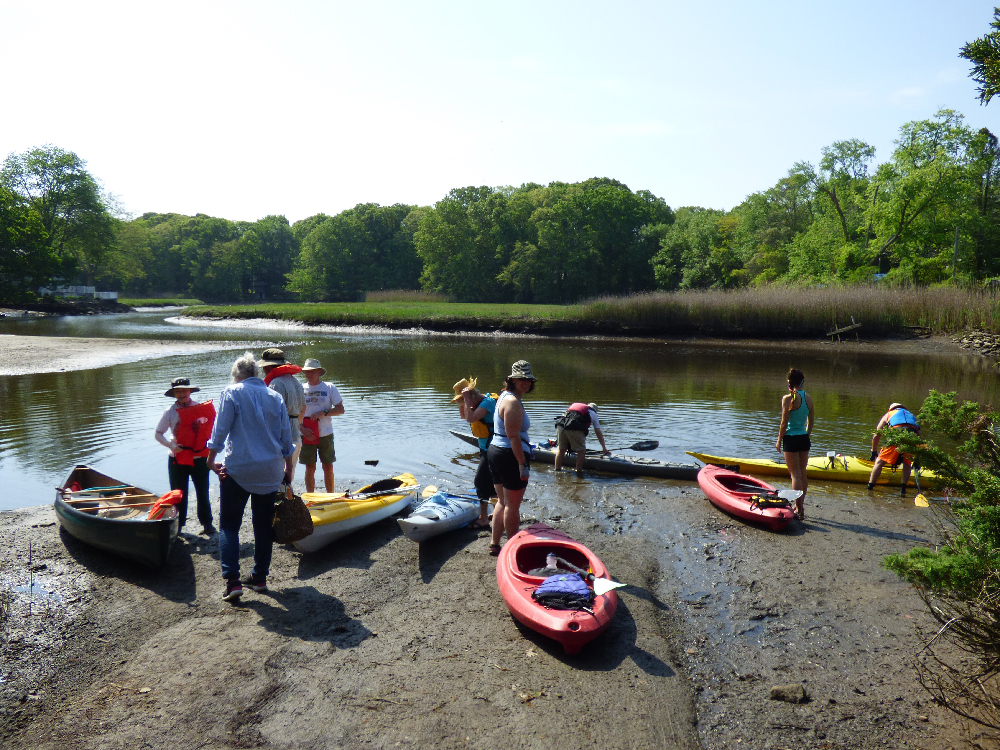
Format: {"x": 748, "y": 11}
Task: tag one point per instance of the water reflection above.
{"x": 397, "y": 389}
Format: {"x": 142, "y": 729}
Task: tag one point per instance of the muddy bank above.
{"x": 22, "y": 355}
{"x": 379, "y": 642}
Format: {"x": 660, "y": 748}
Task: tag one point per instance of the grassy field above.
{"x": 771, "y": 312}
{"x": 160, "y": 302}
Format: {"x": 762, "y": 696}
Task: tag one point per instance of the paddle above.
{"x": 98, "y": 499}
{"x": 347, "y": 497}
{"x": 116, "y": 507}
{"x": 97, "y": 489}
{"x": 642, "y": 445}
{"x": 920, "y": 501}
{"x": 789, "y": 495}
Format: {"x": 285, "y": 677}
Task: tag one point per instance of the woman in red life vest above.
{"x": 190, "y": 424}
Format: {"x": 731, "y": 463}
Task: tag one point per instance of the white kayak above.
{"x": 438, "y": 513}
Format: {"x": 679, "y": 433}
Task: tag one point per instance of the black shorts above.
{"x": 795, "y": 444}
{"x": 505, "y": 469}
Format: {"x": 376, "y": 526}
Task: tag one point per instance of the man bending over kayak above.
{"x": 899, "y": 418}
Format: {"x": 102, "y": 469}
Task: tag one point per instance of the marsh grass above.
{"x": 769, "y": 312}
{"x": 405, "y": 295}
{"x": 789, "y": 312}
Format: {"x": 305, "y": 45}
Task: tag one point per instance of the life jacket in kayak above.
{"x": 577, "y": 418}
{"x": 277, "y": 372}
{"x": 311, "y": 424}
{"x": 483, "y": 428}
{"x": 564, "y": 591}
{"x": 903, "y": 419}
{"x": 193, "y": 431}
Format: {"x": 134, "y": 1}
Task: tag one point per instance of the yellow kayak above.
{"x": 337, "y": 514}
{"x": 835, "y": 468}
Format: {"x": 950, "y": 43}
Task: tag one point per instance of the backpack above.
{"x": 573, "y": 420}
{"x": 564, "y": 591}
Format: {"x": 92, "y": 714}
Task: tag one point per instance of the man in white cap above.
{"x": 900, "y": 418}
{"x": 571, "y": 433}
{"x": 279, "y": 376}
{"x": 322, "y": 402}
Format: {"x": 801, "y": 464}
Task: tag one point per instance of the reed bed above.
{"x": 778, "y": 311}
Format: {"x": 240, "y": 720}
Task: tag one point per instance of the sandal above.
{"x": 494, "y": 550}
{"x": 478, "y": 525}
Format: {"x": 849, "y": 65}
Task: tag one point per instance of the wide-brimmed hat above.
{"x": 592, "y": 405}
{"x": 461, "y": 385}
{"x": 273, "y": 357}
{"x": 181, "y": 383}
{"x": 522, "y": 370}
{"x": 895, "y": 405}
{"x": 313, "y": 364}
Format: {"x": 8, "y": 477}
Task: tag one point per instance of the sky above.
{"x": 246, "y": 109}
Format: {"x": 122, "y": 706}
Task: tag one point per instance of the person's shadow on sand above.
{"x": 308, "y": 614}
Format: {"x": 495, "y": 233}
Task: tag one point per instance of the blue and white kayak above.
{"x": 438, "y": 513}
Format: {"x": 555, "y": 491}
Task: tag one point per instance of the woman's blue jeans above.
{"x": 232, "y": 502}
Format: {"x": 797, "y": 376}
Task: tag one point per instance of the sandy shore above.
{"x": 22, "y": 355}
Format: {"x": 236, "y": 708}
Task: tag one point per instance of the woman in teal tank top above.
{"x": 794, "y": 435}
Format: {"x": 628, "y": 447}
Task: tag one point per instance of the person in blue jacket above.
{"x": 899, "y": 418}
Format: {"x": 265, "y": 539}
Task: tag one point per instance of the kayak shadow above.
{"x": 609, "y": 650}
{"x": 436, "y": 551}
{"x": 308, "y": 614}
{"x": 174, "y": 581}
{"x": 352, "y": 551}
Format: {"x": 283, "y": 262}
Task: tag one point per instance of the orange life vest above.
{"x": 193, "y": 432}
{"x": 280, "y": 370}
{"x": 174, "y": 497}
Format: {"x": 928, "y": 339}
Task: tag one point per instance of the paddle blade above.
{"x": 920, "y": 501}
{"x": 603, "y": 585}
{"x": 429, "y": 490}
{"x": 789, "y": 495}
{"x": 646, "y": 445}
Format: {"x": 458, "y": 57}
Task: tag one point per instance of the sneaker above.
{"x": 257, "y": 584}
{"x": 902, "y": 491}
{"x": 233, "y": 590}
{"x": 871, "y": 486}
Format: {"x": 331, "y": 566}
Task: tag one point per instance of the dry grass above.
{"x": 791, "y": 311}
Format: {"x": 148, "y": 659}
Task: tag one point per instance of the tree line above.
{"x": 930, "y": 213}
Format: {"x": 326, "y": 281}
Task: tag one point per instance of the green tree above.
{"x": 984, "y": 54}
{"x": 26, "y": 258}
{"x": 68, "y": 201}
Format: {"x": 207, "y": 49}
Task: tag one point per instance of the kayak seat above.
{"x": 530, "y": 557}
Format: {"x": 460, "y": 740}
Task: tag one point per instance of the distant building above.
{"x": 76, "y": 291}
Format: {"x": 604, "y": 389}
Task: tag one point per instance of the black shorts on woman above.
{"x": 795, "y": 444}
{"x": 505, "y": 469}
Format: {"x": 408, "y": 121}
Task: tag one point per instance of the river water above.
{"x": 720, "y": 398}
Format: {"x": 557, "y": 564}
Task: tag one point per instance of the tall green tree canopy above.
{"x": 68, "y": 201}
{"x": 984, "y": 54}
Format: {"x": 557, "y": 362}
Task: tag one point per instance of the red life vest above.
{"x": 193, "y": 432}
{"x": 280, "y": 370}
{"x": 312, "y": 424}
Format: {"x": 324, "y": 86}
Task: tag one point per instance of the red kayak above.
{"x": 745, "y": 497}
{"x": 527, "y": 551}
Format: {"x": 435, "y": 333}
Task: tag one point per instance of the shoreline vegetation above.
{"x": 767, "y": 312}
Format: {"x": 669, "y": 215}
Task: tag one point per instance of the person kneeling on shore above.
{"x": 252, "y": 428}
{"x": 571, "y": 433}
{"x": 899, "y": 418}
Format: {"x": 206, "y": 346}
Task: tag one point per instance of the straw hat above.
{"x": 461, "y": 385}
{"x": 895, "y": 405}
{"x": 181, "y": 383}
{"x": 313, "y": 364}
{"x": 592, "y": 406}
